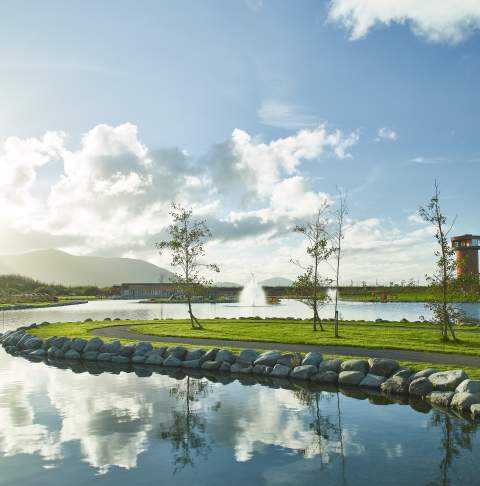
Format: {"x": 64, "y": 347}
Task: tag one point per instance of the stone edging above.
{"x": 448, "y": 389}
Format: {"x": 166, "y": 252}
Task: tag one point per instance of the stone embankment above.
{"x": 446, "y": 389}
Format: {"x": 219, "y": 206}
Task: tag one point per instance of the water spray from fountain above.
{"x": 252, "y": 294}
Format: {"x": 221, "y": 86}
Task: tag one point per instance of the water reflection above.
{"x": 129, "y": 424}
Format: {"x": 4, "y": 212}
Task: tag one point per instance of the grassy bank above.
{"x": 275, "y": 331}
{"x": 403, "y": 294}
{"x": 284, "y": 331}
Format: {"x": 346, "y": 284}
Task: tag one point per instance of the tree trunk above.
{"x": 193, "y": 320}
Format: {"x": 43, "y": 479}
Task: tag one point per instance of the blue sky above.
{"x": 395, "y": 86}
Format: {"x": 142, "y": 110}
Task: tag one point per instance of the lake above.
{"x": 131, "y": 309}
{"x": 63, "y": 427}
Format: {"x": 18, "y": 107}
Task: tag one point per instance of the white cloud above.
{"x": 448, "y": 21}
{"x": 385, "y": 133}
{"x": 269, "y": 162}
{"x": 277, "y": 113}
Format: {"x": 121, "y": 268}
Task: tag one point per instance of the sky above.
{"x": 251, "y": 112}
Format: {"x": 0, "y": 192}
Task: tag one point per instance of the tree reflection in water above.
{"x": 328, "y": 434}
{"x": 456, "y": 434}
{"x": 186, "y": 432}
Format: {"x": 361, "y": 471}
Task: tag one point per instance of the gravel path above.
{"x": 127, "y": 332}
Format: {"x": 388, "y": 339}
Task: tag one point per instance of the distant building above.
{"x": 466, "y": 250}
{"x": 172, "y": 291}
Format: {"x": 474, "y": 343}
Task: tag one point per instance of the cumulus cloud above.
{"x": 385, "y": 133}
{"x": 448, "y": 21}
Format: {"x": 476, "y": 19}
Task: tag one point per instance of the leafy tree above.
{"x": 443, "y": 311}
{"x": 309, "y": 286}
{"x": 186, "y": 245}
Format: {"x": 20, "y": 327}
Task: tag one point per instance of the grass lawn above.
{"x": 279, "y": 331}
{"x": 402, "y": 294}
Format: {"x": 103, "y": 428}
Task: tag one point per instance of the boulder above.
{"x": 420, "y": 387}
{"x": 330, "y": 365}
{"x": 38, "y": 353}
{"x": 225, "y": 355}
{"x": 350, "y": 377}
{"x": 325, "y": 377}
{"x": 225, "y": 367}
{"x": 261, "y": 370}
{"x": 116, "y": 358}
{"x": 372, "y": 381}
{"x": 93, "y": 345}
{"x": 72, "y": 354}
{"x": 90, "y": 355}
{"x": 248, "y": 355}
{"x": 191, "y": 364}
{"x": 303, "y": 372}
{"x": 279, "y": 371}
{"x": 209, "y": 355}
{"x": 178, "y": 352}
{"x": 469, "y": 386}
{"x": 143, "y": 348}
{"x": 423, "y": 373}
{"x": 440, "y": 399}
{"x": 138, "y": 359}
{"x": 211, "y": 365}
{"x": 405, "y": 373}
{"x": 240, "y": 366}
{"x": 269, "y": 358}
{"x": 312, "y": 358}
{"x": 79, "y": 344}
{"x": 127, "y": 350}
{"x": 33, "y": 343}
{"x": 105, "y": 357}
{"x": 113, "y": 347}
{"x": 58, "y": 354}
{"x": 47, "y": 343}
{"x": 355, "y": 365}
{"x": 290, "y": 359}
{"x": 464, "y": 400}
{"x": 66, "y": 345}
{"x": 447, "y": 380}
{"x": 475, "y": 411}
{"x": 383, "y": 366}
{"x": 172, "y": 361}
{"x": 194, "y": 354}
{"x": 152, "y": 359}
{"x": 395, "y": 385}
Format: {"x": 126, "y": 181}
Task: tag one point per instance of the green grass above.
{"x": 83, "y": 330}
{"x": 284, "y": 331}
{"x": 77, "y": 297}
{"x": 403, "y": 294}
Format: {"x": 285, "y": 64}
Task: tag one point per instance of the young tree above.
{"x": 337, "y": 237}
{"x": 444, "y": 312}
{"x": 309, "y": 285}
{"x": 186, "y": 245}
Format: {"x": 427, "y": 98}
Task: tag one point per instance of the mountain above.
{"x": 226, "y": 284}
{"x": 276, "y": 282}
{"x": 55, "y": 266}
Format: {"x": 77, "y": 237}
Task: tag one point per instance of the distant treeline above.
{"x": 20, "y": 285}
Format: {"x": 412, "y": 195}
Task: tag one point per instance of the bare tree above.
{"x": 444, "y": 312}
{"x": 186, "y": 245}
{"x": 309, "y": 285}
{"x": 337, "y": 237}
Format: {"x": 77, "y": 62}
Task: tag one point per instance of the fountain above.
{"x": 252, "y": 294}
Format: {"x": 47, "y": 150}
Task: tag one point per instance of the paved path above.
{"x": 127, "y": 332}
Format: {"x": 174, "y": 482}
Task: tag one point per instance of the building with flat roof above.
{"x": 466, "y": 250}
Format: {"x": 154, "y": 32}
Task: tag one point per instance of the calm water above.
{"x": 59, "y": 427}
{"x": 130, "y": 309}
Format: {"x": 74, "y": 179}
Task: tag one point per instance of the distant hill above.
{"x": 226, "y": 284}
{"x": 55, "y": 266}
{"x": 276, "y": 282}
